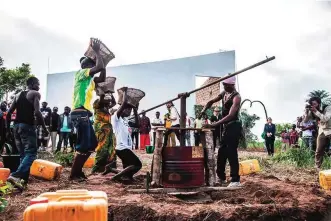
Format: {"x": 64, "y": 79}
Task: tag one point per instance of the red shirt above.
{"x": 294, "y": 136}
{"x": 13, "y": 116}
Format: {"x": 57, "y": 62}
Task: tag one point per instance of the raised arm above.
{"x": 211, "y": 102}
{"x": 112, "y": 102}
{"x": 136, "y": 117}
{"x": 99, "y": 65}
{"x": 101, "y": 77}
{"x": 123, "y": 105}
{"x": 323, "y": 117}
{"x": 233, "y": 110}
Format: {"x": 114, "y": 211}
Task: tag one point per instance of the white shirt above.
{"x": 156, "y": 121}
{"x": 122, "y": 132}
{"x": 307, "y": 133}
{"x": 188, "y": 122}
{"x": 198, "y": 123}
{"x": 174, "y": 116}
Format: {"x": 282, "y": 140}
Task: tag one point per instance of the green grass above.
{"x": 300, "y": 157}
{"x": 260, "y": 145}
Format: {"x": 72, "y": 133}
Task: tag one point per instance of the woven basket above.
{"x": 105, "y": 53}
{"x": 108, "y": 85}
{"x": 134, "y": 96}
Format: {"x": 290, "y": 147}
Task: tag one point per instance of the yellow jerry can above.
{"x": 89, "y": 162}
{"x": 249, "y": 166}
{"x": 54, "y": 196}
{"x": 4, "y": 174}
{"x": 68, "y": 208}
{"x": 45, "y": 169}
{"x": 68, "y": 205}
{"x": 325, "y": 179}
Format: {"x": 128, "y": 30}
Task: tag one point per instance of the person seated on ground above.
{"x": 130, "y": 161}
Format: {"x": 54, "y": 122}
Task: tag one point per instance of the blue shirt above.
{"x": 65, "y": 125}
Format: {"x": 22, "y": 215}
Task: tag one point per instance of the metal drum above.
{"x": 182, "y": 167}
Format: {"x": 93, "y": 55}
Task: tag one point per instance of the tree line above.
{"x": 12, "y": 80}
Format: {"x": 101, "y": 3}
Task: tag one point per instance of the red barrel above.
{"x": 182, "y": 167}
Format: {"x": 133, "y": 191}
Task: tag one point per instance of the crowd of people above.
{"x": 109, "y": 132}
{"x": 313, "y": 127}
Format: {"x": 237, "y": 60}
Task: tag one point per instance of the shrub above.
{"x": 65, "y": 159}
{"x": 4, "y": 190}
{"x": 300, "y": 157}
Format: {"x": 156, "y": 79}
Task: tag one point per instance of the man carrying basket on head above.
{"x": 122, "y": 130}
{"x": 83, "y": 89}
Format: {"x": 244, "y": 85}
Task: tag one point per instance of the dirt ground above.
{"x": 274, "y": 194}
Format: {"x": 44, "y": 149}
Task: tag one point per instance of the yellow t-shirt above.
{"x": 83, "y": 89}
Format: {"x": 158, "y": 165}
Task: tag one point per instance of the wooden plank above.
{"x": 173, "y": 190}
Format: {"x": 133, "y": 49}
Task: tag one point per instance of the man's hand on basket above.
{"x": 95, "y": 44}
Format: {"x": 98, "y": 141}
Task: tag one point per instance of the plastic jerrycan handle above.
{"x": 81, "y": 191}
{"x": 41, "y": 168}
{"x": 74, "y": 198}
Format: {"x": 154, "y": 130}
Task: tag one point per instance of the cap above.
{"x": 230, "y": 80}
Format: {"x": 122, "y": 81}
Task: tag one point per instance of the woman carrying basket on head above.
{"x": 105, "y": 151}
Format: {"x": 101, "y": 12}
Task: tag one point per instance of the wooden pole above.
{"x": 182, "y": 119}
{"x": 210, "y": 162}
{"x": 208, "y": 85}
{"x": 156, "y": 173}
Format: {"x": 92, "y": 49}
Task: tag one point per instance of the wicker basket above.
{"x": 108, "y": 85}
{"x": 134, "y": 96}
{"x": 105, "y": 53}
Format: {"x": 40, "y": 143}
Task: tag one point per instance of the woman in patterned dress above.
{"x": 105, "y": 151}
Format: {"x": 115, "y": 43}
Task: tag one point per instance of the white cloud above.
{"x": 295, "y": 31}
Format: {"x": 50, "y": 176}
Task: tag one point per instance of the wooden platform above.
{"x": 183, "y": 191}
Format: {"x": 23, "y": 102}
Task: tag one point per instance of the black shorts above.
{"x": 128, "y": 158}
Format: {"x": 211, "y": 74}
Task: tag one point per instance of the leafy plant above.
{"x": 281, "y": 127}
{"x": 248, "y": 122}
{"x": 198, "y": 109}
{"x": 4, "y": 190}
{"x": 65, "y": 159}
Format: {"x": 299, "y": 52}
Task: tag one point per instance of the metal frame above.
{"x": 251, "y": 103}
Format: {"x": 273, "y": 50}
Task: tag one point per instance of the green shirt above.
{"x": 83, "y": 89}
